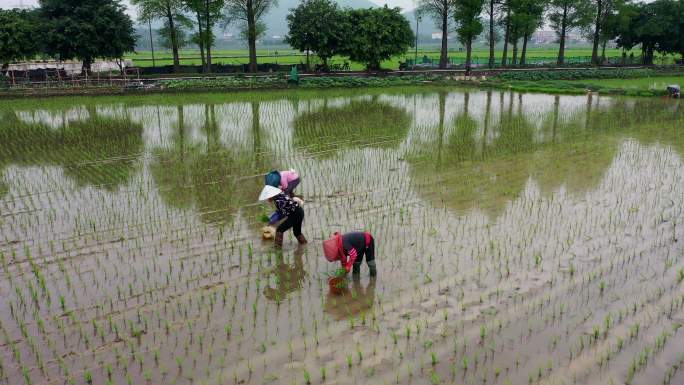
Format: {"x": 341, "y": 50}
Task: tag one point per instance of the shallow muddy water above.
{"x": 521, "y": 238}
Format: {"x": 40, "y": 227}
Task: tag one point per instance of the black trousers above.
{"x": 293, "y": 222}
{"x": 368, "y": 253}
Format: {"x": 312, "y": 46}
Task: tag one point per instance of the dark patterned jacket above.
{"x": 285, "y": 206}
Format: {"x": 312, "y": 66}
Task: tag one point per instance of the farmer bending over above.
{"x": 287, "y": 181}
{"x": 287, "y": 208}
{"x": 350, "y": 249}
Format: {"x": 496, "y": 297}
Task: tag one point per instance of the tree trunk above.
{"x": 445, "y": 33}
{"x": 87, "y": 63}
{"x": 208, "y": 33}
{"x": 488, "y": 108}
{"x": 649, "y": 55}
{"x": 466, "y": 104}
{"x": 200, "y": 42}
{"x": 251, "y": 37}
{"x": 440, "y": 127}
{"x": 597, "y": 32}
{"x": 149, "y": 24}
{"x": 556, "y": 107}
{"x": 643, "y": 54}
{"x": 523, "y": 54}
{"x": 469, "y": 50}
{"x": 491, "y": 34}
{"x": 174, "y": 40}
{"x": 561, "y": 49}
{"x": 514, "y": 60}
{"x": 603, "y": 51}
{"x": 209, "y": 69}
{"x": 308, "y": 63}
{"x": 506, "y": 37}
{"x": 587, "y": 120}
{"x": 256, "y": 134}
{"x": 181, "y": 131}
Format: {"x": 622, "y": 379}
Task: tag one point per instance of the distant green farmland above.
{"x": 290, "y": 56}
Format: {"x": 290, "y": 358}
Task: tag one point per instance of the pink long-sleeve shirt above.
{"x": 286, "y": 177}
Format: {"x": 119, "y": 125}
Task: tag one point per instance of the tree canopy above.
{"x": 86, "y": 29}
{"x": 656, "y": 26}
{"x": 318, "y": 26}
{"x": 468, "y": 23}
{"x": 18, "y": 35}
{"x": 250, "y": 12}
{"x": 169, "y": 11}
{"x": 441, "y": 12}
{"x": 566, "y": 15}
{"x": 376, "y": 34}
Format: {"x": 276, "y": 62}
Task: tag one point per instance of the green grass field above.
{"x": 290, "y": 56}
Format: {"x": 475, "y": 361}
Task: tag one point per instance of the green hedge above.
{"x": 237, "y": 82}
{"x": 351, "y": 82}
{"x": 222, "y": 82}
{"x": 618, "y": 73}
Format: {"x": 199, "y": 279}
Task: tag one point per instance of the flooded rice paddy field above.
{"x": 521, "y": 238}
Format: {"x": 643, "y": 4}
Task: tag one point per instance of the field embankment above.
{"x": 618, "y": 81}
{"x": 630, "y": 81}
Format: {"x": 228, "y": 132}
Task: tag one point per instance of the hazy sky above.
{"x": 405, "y": 4}
{"x": 34, "y": 3}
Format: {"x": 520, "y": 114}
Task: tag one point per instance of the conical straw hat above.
{"x": 269, "y": 192}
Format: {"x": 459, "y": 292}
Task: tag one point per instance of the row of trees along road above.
{"x": 207, "y": 14}
{"x": 89, "y": 29}
{"x": 655, "y": 26}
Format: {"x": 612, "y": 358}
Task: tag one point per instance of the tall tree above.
{"x": 516, "y": 26}
{"x": 169, "y": 11}
{"x": 441, "y": 11}
{"x": 530, "y": 16}
{"x": 250, "y": 12}
{"x": 316, "y": 25}
{"x": 565, "y": 15}
{"x": 672, "y": 42}
{"x": 600, "y": 9}
{"x": 86, "y": 30}
{"x": 376, "y": 34}
{"x": 621, "y": 29}
{"x": 208, "y": 13}
{"x": 176, "y": 37}
{"x": 652, "y": 25}
{"x": 18, "y": 32}
{"x": 468, "y": 24}
{"x": 492, "y": 7}
{"x": 506, "y": 22}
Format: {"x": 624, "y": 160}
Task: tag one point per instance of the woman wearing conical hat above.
{"x": 287, "y": 208}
